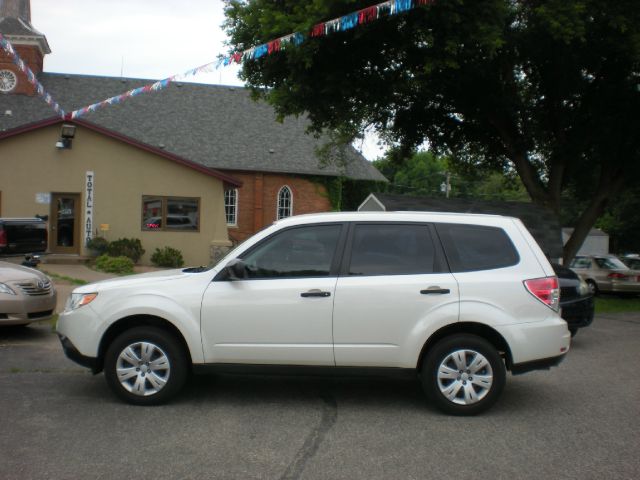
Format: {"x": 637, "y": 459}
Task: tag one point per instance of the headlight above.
{"x": 6, "y": 289}
{"x": 583, "y": 289}
{"x": 77, "y": 300}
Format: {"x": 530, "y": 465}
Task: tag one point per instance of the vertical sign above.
{"x": 88, "y": 207}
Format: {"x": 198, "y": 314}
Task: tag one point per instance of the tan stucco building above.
{"x": 102, "y": 185}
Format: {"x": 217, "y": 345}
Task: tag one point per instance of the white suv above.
{"x": 456, "y": 299}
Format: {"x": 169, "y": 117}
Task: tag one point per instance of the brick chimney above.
{"x": 29, "y": 43}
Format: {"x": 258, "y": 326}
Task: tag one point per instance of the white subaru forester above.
{"x": 454, "y": 299}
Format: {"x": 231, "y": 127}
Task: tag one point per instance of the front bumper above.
{"x": 21, "y": 309}
{"x": 72, "y": 353}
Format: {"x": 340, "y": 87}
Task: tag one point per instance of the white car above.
{"x": 456, "y": 299}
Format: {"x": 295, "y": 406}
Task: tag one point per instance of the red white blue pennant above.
{"x": 340, "y": 24}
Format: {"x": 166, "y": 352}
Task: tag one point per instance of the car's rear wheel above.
{"x": 145, "y": 366}
{"x": 463, "y": 374}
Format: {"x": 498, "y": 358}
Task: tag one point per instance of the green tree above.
{"x": 547, "y": 88}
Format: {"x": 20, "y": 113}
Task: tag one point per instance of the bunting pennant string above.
{"x": 341, "y": 24}
{"x": 5, "y": 44}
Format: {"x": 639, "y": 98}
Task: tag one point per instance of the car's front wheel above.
{"x": 145, "y": 366}
{"x": 463, "y": 374}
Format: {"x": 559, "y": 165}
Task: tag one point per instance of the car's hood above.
{"x": 13, "y": 272}
{"x": 134, "y": 280}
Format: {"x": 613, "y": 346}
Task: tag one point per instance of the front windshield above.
{"x": 611, "y": 263}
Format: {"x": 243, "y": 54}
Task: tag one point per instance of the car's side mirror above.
{"x": 236, "y": 269}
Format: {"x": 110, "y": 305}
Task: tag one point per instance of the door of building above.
{"x": 65, "y": 223}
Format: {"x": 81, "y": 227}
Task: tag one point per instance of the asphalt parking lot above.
{"x": 580, "y": 420}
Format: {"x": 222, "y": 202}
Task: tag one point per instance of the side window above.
{"x": 392, "y": 249}
{"x": 231, "y": 206}
{"x": 580, "y": 263}
{"x": 297, "y": 252}
{"x": 470, "y": 248}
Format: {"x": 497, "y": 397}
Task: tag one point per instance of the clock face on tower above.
{"x": 8, "y": 81}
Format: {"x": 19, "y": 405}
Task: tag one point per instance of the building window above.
{"x": 285, "y": 203}
{"x": 180, "y": 214}
{"x": 231, "y": 206}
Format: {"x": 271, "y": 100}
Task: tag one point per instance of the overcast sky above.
{"x": 139, "y": 38}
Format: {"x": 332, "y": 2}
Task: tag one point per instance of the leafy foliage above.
{"x": 98, "y": 245}
{"x": 127, "y": 247}
{"x": 167, "y": 257}
{"x": 120, "y": 265}
{"x": 548, "y": 89}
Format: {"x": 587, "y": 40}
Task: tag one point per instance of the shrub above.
{"x": 126, "y": 247}
{"x": 167, "y": 257}
{"x": 120, "y": 265}
{"x": 98, "y": 245}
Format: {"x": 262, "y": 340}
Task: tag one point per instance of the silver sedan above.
{"x": 26, "y": 295}
{"x": 606, "y": 273}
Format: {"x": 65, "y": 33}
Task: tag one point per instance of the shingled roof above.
{"x": 215, "y": 126}
{"x": 542, "y": 223}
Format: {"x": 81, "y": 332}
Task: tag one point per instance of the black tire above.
{"x": 157, "y": 384}
{"x": 593, "y": 287}
{"x": 441, "y": 355}
{"x": 573, "y": 331}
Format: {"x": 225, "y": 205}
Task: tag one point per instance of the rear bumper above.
{"x": 544, "y": 364}
{"x": 578, "y": 313}
{"x": 535, "y": 342}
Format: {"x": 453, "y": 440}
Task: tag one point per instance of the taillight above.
{"x": 3, "y": 238}
{"x": 546, "y": 290}
{"x": 617, "y": 276}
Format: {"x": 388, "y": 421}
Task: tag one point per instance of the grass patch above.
{"x": 615, "y": 304}
{"x": 73, "y": 281}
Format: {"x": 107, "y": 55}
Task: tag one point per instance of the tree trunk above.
{"x": 610, "y": 185}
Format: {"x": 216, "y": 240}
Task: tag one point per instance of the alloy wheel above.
{"x": 465, "y": 377}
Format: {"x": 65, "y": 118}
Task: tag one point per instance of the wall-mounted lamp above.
{"x": 67, "y": 133}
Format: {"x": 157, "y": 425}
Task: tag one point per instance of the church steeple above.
{"x": 31, "y": 45}
{"x": 16, "y": 9}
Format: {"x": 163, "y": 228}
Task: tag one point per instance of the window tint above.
{"x": 580, "y": 263}
{"x": 471, "y": 247}
{"x": 297, "y": 252}
{"x": 170, "y": 213}
{"x": 391, "y": 250}
{"x": 610, "y": 263}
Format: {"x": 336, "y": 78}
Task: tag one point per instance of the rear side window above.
{"x": 470, "y": 248}
{"x": 391, "y": 249}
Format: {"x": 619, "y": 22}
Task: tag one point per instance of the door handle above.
{"x": 435, "y": 290}
{"x": 315, "y": 293}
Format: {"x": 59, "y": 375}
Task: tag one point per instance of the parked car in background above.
{"x": 22, "y": 235}
{"x": 455, "y": 300}
{"x": 26, "y": 295}
{"x": 576, "y": 300}
{"x": 606, "y": 273}
{"x": 631, "y": 261}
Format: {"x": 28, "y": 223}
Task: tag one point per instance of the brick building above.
{"x": 258, "y": 169}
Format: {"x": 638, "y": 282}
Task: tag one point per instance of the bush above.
{"x": 98, "y": 245}
{"x": 120, "y": 265}
{"x": 126, "y": 247}
{"x": 167, "y": 257}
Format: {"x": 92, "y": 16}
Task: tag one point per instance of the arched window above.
{"x": 285, "y": 202}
